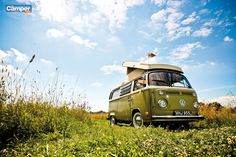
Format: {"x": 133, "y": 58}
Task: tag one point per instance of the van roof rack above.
{"x": 146, "y": 66}
{"x": 136, "y": 69}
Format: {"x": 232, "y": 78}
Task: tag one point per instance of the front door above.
{"x": 140, "y": 99}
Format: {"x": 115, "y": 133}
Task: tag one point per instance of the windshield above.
{"x": 162, "y": 78}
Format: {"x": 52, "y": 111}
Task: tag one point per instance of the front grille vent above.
{"x": 187, "y": 93}
{"x": 178, "y": 93}
{"x": 172, "y": 92}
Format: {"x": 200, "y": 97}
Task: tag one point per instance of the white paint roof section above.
{"x": 146, "y": 66}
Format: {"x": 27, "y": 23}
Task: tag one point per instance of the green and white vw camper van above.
{"x": 153, "y": 93}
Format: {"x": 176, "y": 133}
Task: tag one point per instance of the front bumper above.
{"x": 177, "y": 118}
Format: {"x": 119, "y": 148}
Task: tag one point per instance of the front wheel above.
{"x": 112, "y": 120}
{"x": 137, "y": 120}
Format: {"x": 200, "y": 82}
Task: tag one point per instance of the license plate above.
{"x": 182, "y": 113}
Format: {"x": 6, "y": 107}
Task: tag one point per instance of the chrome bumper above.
{"x": 177, "y": 118}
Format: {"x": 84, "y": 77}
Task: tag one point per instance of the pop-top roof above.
{"x": 145, "y": 66}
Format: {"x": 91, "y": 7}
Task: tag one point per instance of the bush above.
{"x": 99, "y": 115}
{"x": 25, "y": 119}
{"x": 216, "y": 115}
{"x": 23, "y": 116}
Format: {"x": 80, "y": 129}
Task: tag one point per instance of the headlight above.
{"x": 195, "y": 104}
{"x": 161, "y": 92}
{"x": 194, "y": 94}
{"x": 162, "y": 103}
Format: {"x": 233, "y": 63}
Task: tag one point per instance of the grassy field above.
{"x": 41, "y": 129}
{"x": 98, "y": 138}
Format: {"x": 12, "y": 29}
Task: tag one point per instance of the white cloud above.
{"x": 203, "y": 2}
{"x": 19, "y": 56}
{"x": 10, "y": 69}
{"x": 203, "y": 32}
{"x": 97, "y": 84}
{"x": 212, "y": 23}
{"x": 23, "y": 1}
{"x": 184, "y": 51}
{"x": 212, "y": 63}
{"x": 56, "y": 10}
{"x": 15, "y": 54}
{"x": 115, "y": 11}
{"x": 88, "y": 22}
{"x": 204, "y": 11}
{"x": 228, "y": 39}
{"x": 159, "y": 16}
{"x": 170, "y": 26}
{"x": 84, "y": 16}
{"x": 209, "y": 23}
{"x": 45, "y": 61}
{"x": 229, "y": 101}
{"x": 145, "y": 34}
{"x": 152, "y": 60}
{"x": 54, "y": 33}
{"x": 85, "y": 42}
{"x": 159, "y": 2}
{"x": 131, "y": 3}
{"x": 191, "y": 18}
{"x": 174, "y": 15}
{"x": 168, "y": 21}
{"x": 219, "y": 12}
{"x": 177, "y": 4}
{"x": 109, "y": 69}
{"x": 168, "y": 15}
{"x": 169, "y": 3}
{"x": 3, "y": 55}
{"x": 181, "y": 31}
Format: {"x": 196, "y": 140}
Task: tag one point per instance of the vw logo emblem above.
{"x": 182, "y": 102}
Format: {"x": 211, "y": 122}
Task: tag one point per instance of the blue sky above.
{"x": 87, "y": 40}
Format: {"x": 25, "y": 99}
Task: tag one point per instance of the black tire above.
{"x": 186, "y": 126}
{"x": 137, "y": 120}
{"x": 112, "y": 121}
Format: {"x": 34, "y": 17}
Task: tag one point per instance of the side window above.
{"x": 125, "y": 89}
{"x": 140, "y": 83}
{"x": 115, "y": 94}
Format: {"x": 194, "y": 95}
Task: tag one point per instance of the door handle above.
{"x": 130, "y": 99}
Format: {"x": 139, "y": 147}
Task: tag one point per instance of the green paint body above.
{"x": 145, "y": 100}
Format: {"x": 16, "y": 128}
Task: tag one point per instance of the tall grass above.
{"x": 23, "y": 116}
{"x": 217, "y": 115}
{"x": 98, "y": 115}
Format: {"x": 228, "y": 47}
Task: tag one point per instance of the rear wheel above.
{"x": 137, "y": 120}
{"x": 112, "y": 120}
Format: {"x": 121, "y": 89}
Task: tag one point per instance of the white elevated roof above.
{"x": 145, "y": 66}
{"x": 136, "y": 69}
